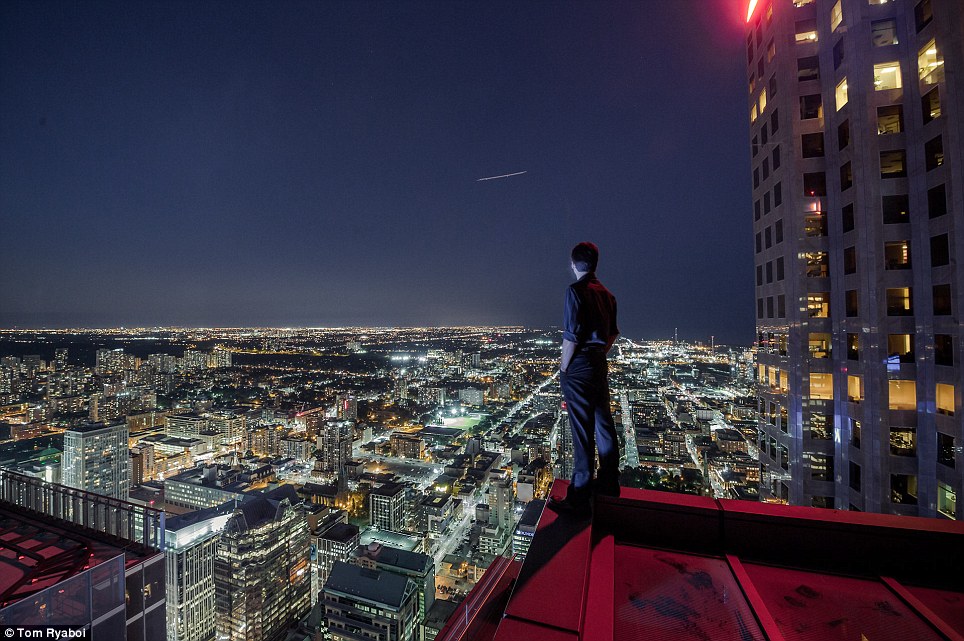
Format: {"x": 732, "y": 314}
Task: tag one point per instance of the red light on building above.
{"x": 750, "y": 9}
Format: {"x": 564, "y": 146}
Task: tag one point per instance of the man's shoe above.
{"x": 579, "y": 509}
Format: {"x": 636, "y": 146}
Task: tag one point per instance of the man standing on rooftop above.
{"x": 589, "y": 331}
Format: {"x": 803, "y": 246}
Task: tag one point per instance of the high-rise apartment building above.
{"x": 335, "y": 441}
{"x": 97, "y": 459}
{"x": 858, "y": 209}
{"x": 262, "y": 576}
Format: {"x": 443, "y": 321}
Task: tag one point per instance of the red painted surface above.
{"x": 551, "y": 587}
{"x": 823, "y": 607}
{"x": 656, "y": 565}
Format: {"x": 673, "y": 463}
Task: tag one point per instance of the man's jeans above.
{"x": 585, "y": 387}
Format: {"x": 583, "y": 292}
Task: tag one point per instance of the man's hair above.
{"x": 585, "y": 256}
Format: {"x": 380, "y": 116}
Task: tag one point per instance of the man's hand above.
{"x": 568, "y": 349}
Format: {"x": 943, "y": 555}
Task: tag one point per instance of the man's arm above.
{"x": 568, "y": 349}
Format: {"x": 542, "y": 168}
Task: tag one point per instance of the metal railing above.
{"x": 125, "y": 520}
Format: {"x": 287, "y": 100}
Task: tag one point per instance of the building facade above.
{"x": 858, "y": 208}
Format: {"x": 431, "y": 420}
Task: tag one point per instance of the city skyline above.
{"x": 320, "y": 164}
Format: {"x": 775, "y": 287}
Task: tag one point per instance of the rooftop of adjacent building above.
{"x": 387, "y": 555}
{"x": 38, "y": 552}
{"x": 89, "y": 428}
{"x": 342, "y": 532}
{"x": 375, "y": 586}
{"x": 531, "y": 514}
{"x": 260, "y": 509}
{"x": 655, "y": 565}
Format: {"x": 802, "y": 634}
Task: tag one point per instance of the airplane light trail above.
{"x": 518, "y": 173}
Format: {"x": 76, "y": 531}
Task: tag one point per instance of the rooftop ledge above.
{"x": 655, "y": 565}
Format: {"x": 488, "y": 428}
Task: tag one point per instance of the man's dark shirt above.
{"x": 590, "y": 313}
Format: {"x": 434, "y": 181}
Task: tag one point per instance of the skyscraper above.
{"x": 261, "y": 574}
{"x": 97, "y": 459}
{"x": 192, "y": 544}
{"x": 858, "y": 208}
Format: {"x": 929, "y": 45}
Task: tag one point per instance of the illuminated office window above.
{"x": 821, "y": 427}
{"x": 899, "y": 301}
{"x": 890, "y": 119}
{"x": 806, "y": 31}
{"x": 841, "y": 94}
{"x": 800, "y": 3}
{"x": 903, "y": 441}
{"x": 771, "y": 51}
{"x": 821, "y": 386}
{"x": 946, "y": 500}
{"x": 902, "y": 395}
{"x": 763, "y": 100}
{"x": 883, "y": 33}
{"x": 855, "y": 389}
{"x": 819, "y": 345}
{"x": 897, "y": 254}
{"x": 887, "y": 76}
{"x": 821, "y": 466}
{"x": 815, "y": 224}
{"x": 818, "y": 264}
{"x": 836, "y": 16}
{"x": 753, "y": 113}
{"x": 901, "y": 347}
{"x": 818, "y": 305}
{"x": 930, "y": 64}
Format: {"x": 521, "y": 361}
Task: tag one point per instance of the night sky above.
{"x": 317, "y": 164}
